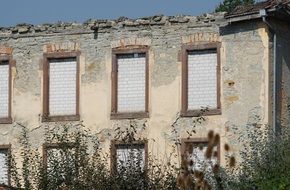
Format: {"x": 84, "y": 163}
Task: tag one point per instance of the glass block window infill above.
{"x": 197, "y": 156}
{"x": 202, "y": 79}
{"x": 62, "y": 86}
{"x": 130, "y": 156}
{"x": 60, "y": 162}
{"x": 131, "y": 82}
{"x": 3, "y": 166}
{"x": 4, "y": 89}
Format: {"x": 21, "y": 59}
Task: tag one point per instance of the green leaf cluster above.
{"x": 266, "y": 163}
{"x": 229, "y": 5}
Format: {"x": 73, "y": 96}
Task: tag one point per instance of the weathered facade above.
{"x": 237, "y": 77}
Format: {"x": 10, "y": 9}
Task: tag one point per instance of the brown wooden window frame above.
{"x": 8, "y": 58}
{"x": 114, "y": 98}
{"x": 186, "y": 141}
{"x": 185, "y": 112}
{"x": 114, "y": 147}
{"x": 7, "y": 147}
{"x": 59, "y": 55}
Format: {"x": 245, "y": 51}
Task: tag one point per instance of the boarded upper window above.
{"x": 129, "y": 84}
{"x": 4, "y": 174}
{"x": 4, "y": 89}
{"x": 201, "y": 80}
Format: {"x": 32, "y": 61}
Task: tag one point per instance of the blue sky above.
{"x": 50, "y": 11}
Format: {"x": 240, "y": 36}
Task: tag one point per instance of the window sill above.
{"x": 135, "y": 115}
{"x": 60, "y": 118}
{"x": 6, "y": 120}
{"x": 199, "y": 113}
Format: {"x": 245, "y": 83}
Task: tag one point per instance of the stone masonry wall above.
{"x": 244, "y": 76}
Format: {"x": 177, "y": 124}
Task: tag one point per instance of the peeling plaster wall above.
{"x": 244, "y": 77}
{"x": 245, "y": 80}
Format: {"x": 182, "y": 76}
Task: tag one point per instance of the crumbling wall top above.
{"x": 122, "y": 22}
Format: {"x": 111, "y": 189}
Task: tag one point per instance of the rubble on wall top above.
{"x": 92, "y": 24}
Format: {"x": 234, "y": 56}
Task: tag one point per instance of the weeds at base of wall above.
{"x": 74, "y": 160}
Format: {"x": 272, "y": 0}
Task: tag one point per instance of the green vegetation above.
{"x": 229, "y": 5}
{"x": 266, "y": 163}
{"x": 74, "y": 160}
{"x": 78, "y": 163}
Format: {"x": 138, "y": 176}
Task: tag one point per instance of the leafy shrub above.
{"x": 266, "y": 163}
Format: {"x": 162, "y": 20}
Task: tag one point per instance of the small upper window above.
{"x": 61, "y": 93}
{"x": 201, "y": 82}
{"x": 129, "y": 84}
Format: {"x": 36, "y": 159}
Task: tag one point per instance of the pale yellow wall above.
{"x": 244, "y": 60}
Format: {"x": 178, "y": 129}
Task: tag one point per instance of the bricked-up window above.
{"x": 5, "y": 91}
{"x": 201, "y": 80}
{"x": 128, "y": 155}
{"x": 61, "y": 87}
{"x": 4, "y": 169}
{"x": 130, "y": 84}
{"x": 194, "y": 151}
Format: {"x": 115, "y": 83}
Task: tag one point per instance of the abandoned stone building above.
{"x": 156, "y": 73}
